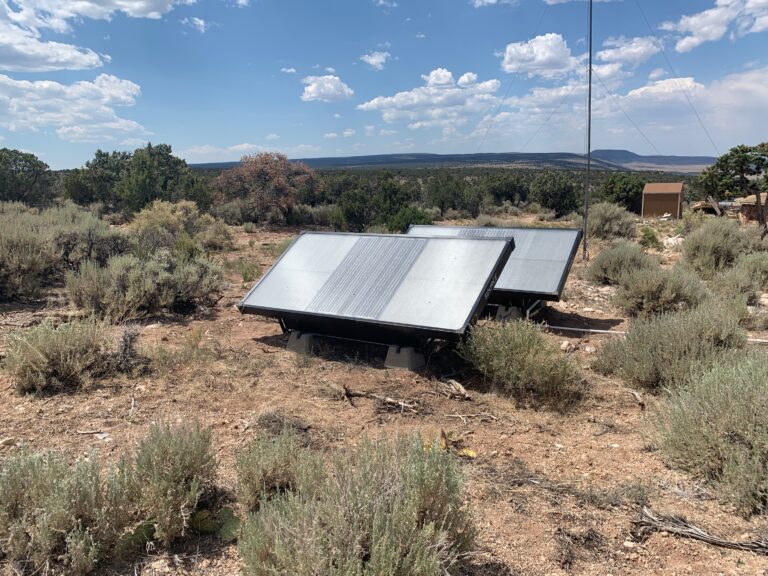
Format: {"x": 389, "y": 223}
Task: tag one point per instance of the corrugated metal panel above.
{"x": 540, "y": 263}
{"x": 436, "y": 284}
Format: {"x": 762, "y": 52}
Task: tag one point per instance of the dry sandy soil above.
{"x": 551, "y": 493}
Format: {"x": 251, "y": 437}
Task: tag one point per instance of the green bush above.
{"x": 394, "y": 508}
{"x": 37, "y": 247}
{"x": 611, "y": 264}
{"x": 654, "y": 291}
{"x": 130, "y": 288}
{"x": 47, "y": 358}
{"x": 714, "y": 427}
{"x": 714, "y": 245}
{"x": 57, "y": 518}
{"x": 649, "y": 238}
{"x": 407, "y": 216}
{"x": 609, "y": 221}
{"x": 249, "y": 227}
{"x": 165, "y": 225}
{"x": 271, "y": 466}
{"x": 518, "y": 360}
{"x": 747, "y": 278}
{"x": 174, "y": 467}
{"x": 660, "y": 352}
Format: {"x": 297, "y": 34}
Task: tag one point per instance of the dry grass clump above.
{"x": 609, "y": 221}
{"x": 388, "y": 507}
{"x": 48, "y": 358}
{"x": 130, "y": 288}
{"x": 714, "y": 426}
{"x": 178, "y": 226}
{"x": 248, "y": 269}
{"x": 57, "y": 518}
{"x": 519, "y": 361}
{"x": 660, "y": 352}
{"x": 611, "y": 264}
{"x": 272, "y": 465}
{"x": 174, "y": 467}
{"x": 655, "y": 291}
{"x": 649, "y": 238}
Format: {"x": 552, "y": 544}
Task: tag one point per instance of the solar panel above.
{"x": 539, "y": 266}
{"x": 390, "y": 289}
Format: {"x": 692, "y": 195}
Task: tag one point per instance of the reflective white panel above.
{"x": 540, "y": 262}
{"x": 433, "y": 283}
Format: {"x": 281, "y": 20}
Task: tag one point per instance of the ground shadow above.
{"x": 555, "y": 317}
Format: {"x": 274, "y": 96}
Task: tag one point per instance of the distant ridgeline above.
{"x": 601, "y": 160}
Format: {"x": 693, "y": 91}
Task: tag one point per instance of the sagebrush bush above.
{"x": 130, "y": 287}
{"x": 249, "y": 227}
{"x": 649, "y": 238}
{"x": 656, "y": 290}
{"x": 518, "y": 360}
{"x": 612, "y": 263}
{"x": 714, "y": 426}
{"x": 389, "y": 507}
{"x": 714, "y": 245}
{"x": 57, "y": 518}
{"x": 37, "y": 247}
{"x": 610, "y": 221}
{"x": 747, "y": 278}
{"x": 272, "y": 465}
{"x": 175, "y": 465}
{"x": 48, "y": 358}
{"x": 174, "y": 226}
{"x": 660, "y": 352}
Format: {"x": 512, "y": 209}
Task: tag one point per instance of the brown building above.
{"x": 662, "y": 198}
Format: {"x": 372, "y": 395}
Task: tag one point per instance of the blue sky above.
{"x": 217, "y": 79}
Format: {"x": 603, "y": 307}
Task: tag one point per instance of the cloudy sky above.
{"x": 217, "y": 79}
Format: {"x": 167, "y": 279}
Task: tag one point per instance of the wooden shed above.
{"x": 661, "y": 198}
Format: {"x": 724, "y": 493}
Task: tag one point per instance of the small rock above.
{"x": 629, "y": 544}
{"x": 566, "y": 346}
{"x": 590, "y": 349}
{"x": 104, "y": 437}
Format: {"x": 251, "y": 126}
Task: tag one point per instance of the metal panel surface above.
{"x": 353, "y": 283}
{"x": 539, "y": 266}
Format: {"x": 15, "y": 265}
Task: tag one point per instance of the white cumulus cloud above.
{"x": 325, "y": 89}
{"x": 197, "y": 23}
{"x": 631, "y": 51}
{"x": 376, "y": 60}
{"x": 285, "y": 70}
{"x": 547, "y": 55}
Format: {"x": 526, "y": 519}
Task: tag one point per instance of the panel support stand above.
{"x": 301, "y": 344}
{"x": 404, "y": 357}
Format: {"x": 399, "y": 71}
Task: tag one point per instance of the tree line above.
{"x": 267, "y": 187}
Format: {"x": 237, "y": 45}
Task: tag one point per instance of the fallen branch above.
{"x": 453, "y": 389}
{"x": 386, "y": 400}
{"x": 88, "y": 431}
{"x": 482, "y": 416}
{"x": 651, "y": 522}
{"x": 637, "y": 396}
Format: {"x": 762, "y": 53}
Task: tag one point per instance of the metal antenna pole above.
{"x": 585, "y": 254}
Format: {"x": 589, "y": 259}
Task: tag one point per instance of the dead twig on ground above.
{"x": 607, "y": 426}
{"x": 453, "y": 389}
{"x": 650, "y": 522}
{"x": 86, "y": 432}
{"x": 385, "y": 400}
{"x": 637, "y": 397}
{"x": 481, "y": 416}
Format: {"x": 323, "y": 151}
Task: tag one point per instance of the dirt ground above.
{"x": 551, "y": 493}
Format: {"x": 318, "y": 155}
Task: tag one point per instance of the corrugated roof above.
{"x": 663, "y": 188}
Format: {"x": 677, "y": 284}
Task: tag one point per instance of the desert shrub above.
{"x": 692, "y": 220}
{"x": 649, "y": 238}
{"x": 129, "y": 287}
{"x": 486, "y": 221}
{"x": 47, "y": 358}
{"x": 37, "y": 247}
{"x": 714, "y": 427}
{"x": 390, "y": 507}
{"x": 518, "y": 360}
{"x": 174, "y": 467}
{"x": 748, "y": 278}
{"x": 249, "y": 227}
{"x": 654, "y": 291}
{"x": 276, "y": 250}
{"x": 612, "y": 263}
{"x": 609, "y": 221}
{"x": 232, "y": 212}
{"x": 171, "y": 226}
{"x": 714, "y": 245}
{"x": 270, "y": 466}
{"x": 60, "y": 518}
{"x": 407, "y": 216}
{"x": 248, "y": 270}
{"x": 659, "y": 352}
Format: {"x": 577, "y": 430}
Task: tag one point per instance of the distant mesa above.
{"x": 601, "y": 160}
